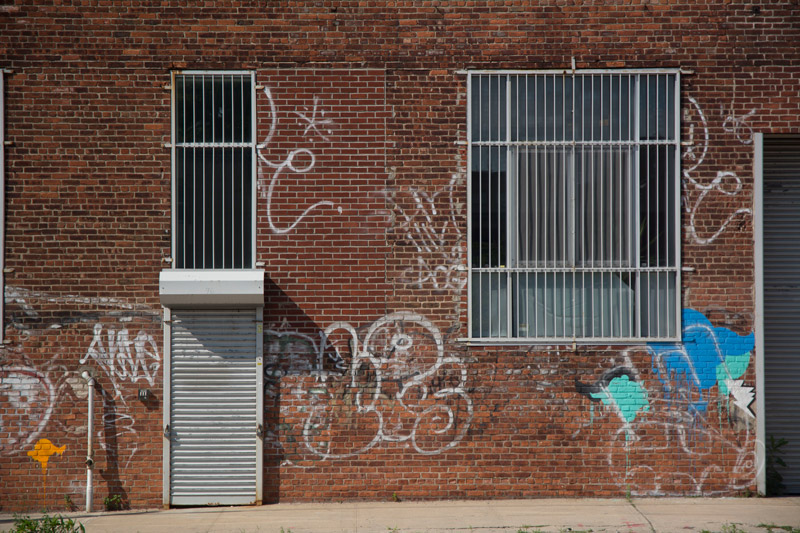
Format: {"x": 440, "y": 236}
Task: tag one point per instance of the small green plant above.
{"x": 46, "y": 524}
{"x": 69, "y": 505}
{"x": 113, "y": 502}
{"x": 732, "y": 528}
{"x": 774, "y": 460}
{"x": 395, "y": 497}
{"x": 285, "y": 530}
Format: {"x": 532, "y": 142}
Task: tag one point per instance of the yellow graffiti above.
{"x": 42, "y": 452}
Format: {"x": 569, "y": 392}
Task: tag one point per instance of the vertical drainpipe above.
{"x": 89, "y": 445}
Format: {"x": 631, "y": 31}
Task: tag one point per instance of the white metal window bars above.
{"x": 574, "y": 223}
{"x": 214, "y": 169}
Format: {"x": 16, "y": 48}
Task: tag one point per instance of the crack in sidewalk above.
{"x": 652, "y": 529}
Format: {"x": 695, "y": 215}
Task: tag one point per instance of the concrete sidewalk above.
{"x": 505, "y": 516}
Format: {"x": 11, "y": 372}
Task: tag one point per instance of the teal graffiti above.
{"x": 733, "y": 367}
{"x": 627, "y": 396}
{"x": 618, "y": 389}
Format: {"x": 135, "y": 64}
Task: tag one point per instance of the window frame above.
{"x": 251, "y": 144}
{"x": 510, "y": 180}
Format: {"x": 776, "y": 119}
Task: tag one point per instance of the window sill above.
{"x": 211, "y": 288}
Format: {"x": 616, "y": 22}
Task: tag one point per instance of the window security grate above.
{"x": 574, "y": 221}
{"x": 213, "y": 168}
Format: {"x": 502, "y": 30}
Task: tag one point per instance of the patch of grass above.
{"x": 773, "y": 528}
{"x": 46, "y": 524}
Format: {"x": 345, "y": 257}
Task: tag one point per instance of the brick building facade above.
{"x": 376, "y": 142}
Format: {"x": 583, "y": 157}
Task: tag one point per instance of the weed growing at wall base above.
{"x": 69, "y": 505}
{"x": 113, "y": 502}
{"x": 46, "y": 524}
{"x": 773, "y": 454}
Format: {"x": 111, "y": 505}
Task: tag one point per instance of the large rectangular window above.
{"x": 574, "y": 216}
{"x": 213, "y": 143}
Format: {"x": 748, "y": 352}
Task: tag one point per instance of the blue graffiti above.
{"x": 706, "y": 356}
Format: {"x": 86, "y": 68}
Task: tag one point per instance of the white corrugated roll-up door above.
{"x": 781, "y": 214}
{"x": 214, "y": 415}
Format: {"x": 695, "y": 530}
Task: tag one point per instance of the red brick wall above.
{"x": 381, "y": 260}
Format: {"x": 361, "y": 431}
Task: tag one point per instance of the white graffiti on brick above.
{"x": 290, "y": 351}
{"x": 738, "y": 125}
{"x": 699, "y": 444}
{"x": 122, "y": 358}
{"x": 35, "y": 390}
{"x": 727, "y": 183}
{"x": 31, "y": 398}
{"x": 315, "y": 121}
{"x": 402, "y": 383}
{"x": 432, "y": 226}
{"x": 299, "y": 161}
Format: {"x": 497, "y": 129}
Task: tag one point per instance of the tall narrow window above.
{"x": 574, "y": 227}
{"x": 213, "y": 170}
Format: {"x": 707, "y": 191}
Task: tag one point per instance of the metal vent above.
{"x": 781, "y": 213}
{"x": 214, "y": 411}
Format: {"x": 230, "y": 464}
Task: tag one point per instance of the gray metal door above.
{"x": 781, "y": 214}
{"x": 214, "y": 453}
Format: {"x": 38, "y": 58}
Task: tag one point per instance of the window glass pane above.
{"x": 489, "y": 206}
{"x": 476, "y": 101}
{"x": 657, "y": 205}
{"x": 490, "y": 293}
{"x": 180, "y": 103}
{"x": 654, "y": 93}
{"x": 550, "y": 118}
{"x": 658, "y": 301}
{"x": 490, "y": 118}
{"x": 604, "y": 107}
{"x": 543, "y": 195}
{"x": 670, "y": 101}
{"x": 180, "y": 207}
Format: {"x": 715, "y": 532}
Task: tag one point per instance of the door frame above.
{"x": 758, "y": 251}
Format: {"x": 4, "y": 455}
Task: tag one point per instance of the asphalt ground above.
{"x": 725, "y": 515}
